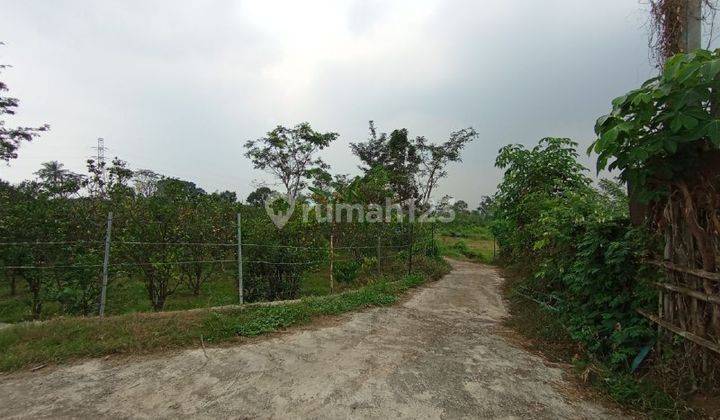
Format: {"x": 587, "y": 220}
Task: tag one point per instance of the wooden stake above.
{"x": 332, "y": 257}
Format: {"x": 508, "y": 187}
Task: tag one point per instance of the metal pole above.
{"x": 106, "y": 262}
{"x": 332, "y": 257}
{"x": 240, "y": 265}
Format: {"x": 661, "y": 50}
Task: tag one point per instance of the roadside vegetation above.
{"x": 579, "y": 266}
{"x": 63, "y": 339}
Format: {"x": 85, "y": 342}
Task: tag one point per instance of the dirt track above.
{"x": 437, "y": 355}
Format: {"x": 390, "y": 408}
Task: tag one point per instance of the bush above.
{"x": 346, "y": 271}
{"x": 579, "y": 249}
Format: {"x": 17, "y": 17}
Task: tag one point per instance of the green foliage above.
{"x": 290, "y": 154}
{"x": 602, "y": 293}
{"x": 576, "y": 244}
{"x": 346, "y": 271}
{"x": 64, "y": 339}
{"x": 658, "y": 132}
{"x": 415, "y": 166}
{"x": 174, "y": 247}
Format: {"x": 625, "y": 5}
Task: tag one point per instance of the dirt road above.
{"x": 437, "y": 355}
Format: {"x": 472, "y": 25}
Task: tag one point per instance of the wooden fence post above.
{"x": 410, "y": 250}
{"x": 332, "y": 257}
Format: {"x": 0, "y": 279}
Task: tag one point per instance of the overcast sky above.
{"x": 179, "y": 86}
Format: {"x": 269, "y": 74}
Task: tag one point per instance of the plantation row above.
{"x": 177, "y": 240}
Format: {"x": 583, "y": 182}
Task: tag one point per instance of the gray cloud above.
{"x": 179, "y": 86}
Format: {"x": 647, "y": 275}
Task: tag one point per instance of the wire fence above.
{"x": 231, "y": 254}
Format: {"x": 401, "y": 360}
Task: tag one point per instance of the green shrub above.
{"x": 346, "y": 271}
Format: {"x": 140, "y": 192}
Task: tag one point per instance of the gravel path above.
{"x": 438, "y": 354}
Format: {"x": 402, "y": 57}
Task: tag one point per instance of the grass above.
{"x": 63, "y": 339}
{"x": 477, "y": 248}
{"x": 128, "y": 295}
{"x": 467, "y": 242}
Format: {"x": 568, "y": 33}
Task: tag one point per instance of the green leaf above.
{"x": 688, "y": 122}
{"x": 675, "y": 124}
{"x": 600, "y": 121}
{"x": 670, "y": 146}
{"x": 710, "y": 70}
{"x": 641, "y": 98}
{"x": 712, "y": 130}
{"x": 619, "y": 101}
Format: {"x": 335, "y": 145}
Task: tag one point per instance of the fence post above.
{"x": 106, "y": 262}
{"x": 410, "y": 250}
{"x": 332, "y": 257}
{"x": 379, "y": 257}
{"x": 239, "y": 253}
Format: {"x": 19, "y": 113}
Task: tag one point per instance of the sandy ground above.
{"x": 437, "y": 355}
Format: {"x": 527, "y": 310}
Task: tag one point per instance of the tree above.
{"x": 56, "y": 181}
{"x": 396, "y": 153}
{"x": 258, "y": 197}
{"x": 290, "y": 154}
{"x": 11, "y": 138}
{"x": 204, "y": 220}
{"x": 544, "y": 189}
{"x": 485, "y": 207}
{"x": 460, "y": 206}
{"x": 145, "y": 182}
{"x": 105, "y": 182}
{"x": 435, "y": 158}
{"x": 415, "y": 165}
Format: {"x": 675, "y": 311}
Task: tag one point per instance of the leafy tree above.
{"x": 108, "y": 182}
{"x": 56, "y": 181}
{"x": 460, "y": 206}
{"x": 145, "y": 182}
{"x": 204, "y": 220}
{"x": 485, "y": 207}
{"x": 229, "y": 197}
{"x": 397, "y": 154}
{"x": 119, "y": 177}
{"x": 415, "y": 165}
{"x": 615, "y": 195}
{"x": 290, "y": 154}
{"x": 258, "y": 197}
{"x": 11, "y": 138}
{"x": 435, "y": 158}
